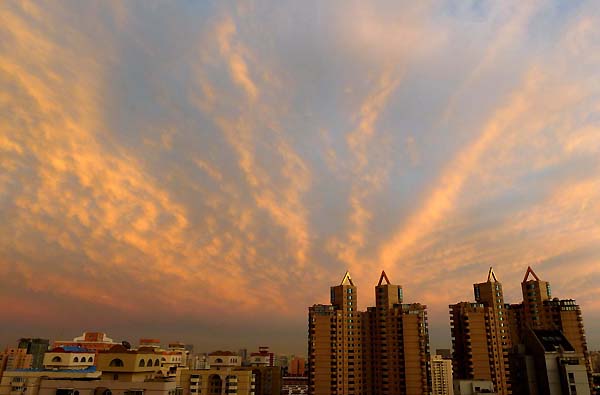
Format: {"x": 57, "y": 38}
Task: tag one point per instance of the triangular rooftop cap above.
{"x": 383, "y": 277}
{"x": 492, "y": 276}
{"x": 532, "y": 273}
{"x": 347, "y": 280}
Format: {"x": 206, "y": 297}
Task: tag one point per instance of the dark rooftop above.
{"x": 552, "y": 340}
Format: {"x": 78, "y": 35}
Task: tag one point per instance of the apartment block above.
{"x": 36, "y": 348}
{"x": 490, "y": 337}
{"x": 481, "y": 336}
{"x": 441, "y": 376}
{"x": 384, "y": 350}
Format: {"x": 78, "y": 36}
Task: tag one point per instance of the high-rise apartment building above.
{"x": 441, "y": 376}
{"x": 481, "y": 336}
{"x": 335, "y": 343}
{"x": 36, "y": 348}
{"x": 539, "y": 310}
{"x": 384, "y": 350}
{"x": 14, "y": 358}
{"x": 487, "y": 333}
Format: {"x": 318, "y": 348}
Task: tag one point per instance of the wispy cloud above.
{"x": 229, "y": 163}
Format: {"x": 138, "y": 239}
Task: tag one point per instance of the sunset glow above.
{"x": 206, "y": 170}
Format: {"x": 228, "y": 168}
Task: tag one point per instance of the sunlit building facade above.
{"x": 384, "y": 350}
{"x": 489, "y": 335}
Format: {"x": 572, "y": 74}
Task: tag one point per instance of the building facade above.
{"x": 36, "y": 348}
{"x": 94, "y": 341}
{"x": 384, "y": 350}
{"x": 481, "y": 336}
{"x": 489, "y": 335}
{"x": 441, "y": 376}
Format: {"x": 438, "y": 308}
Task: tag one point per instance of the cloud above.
{"x": 177, "y": 176}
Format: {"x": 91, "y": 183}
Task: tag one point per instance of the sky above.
{"x": 204, "y": 171}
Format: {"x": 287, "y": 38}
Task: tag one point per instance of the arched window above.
{"x": 218, "y": 360}
{"x": 142, "y": 363}
{"x": 215, "y": 384}
{"x": 157, "y": 362}
{"x": 57, "y": 359}
{"x": 116, "y": 363}
{"x": 163, "y": 359}
{"x": 75, "y": 359}
{"x": 83, "y": 359}
{"x": 149, "y": 363}
{"x": 91, "y": 359}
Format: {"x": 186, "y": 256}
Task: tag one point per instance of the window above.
{"x": 157, "y": 362}
{"x": 57, "y": 359}
{"x": 75, "y": 359}
{"x": 83, "y": 359}
{"x": 571, "y": 377}
{"x": 142, "y": 363}
{"x": 117, "y": 362}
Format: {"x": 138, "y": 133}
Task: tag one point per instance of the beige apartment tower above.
{"x": 481, "y": 336}
{"x": 441, "y": 376}
{"x": 485, "y": 334}
{"x": 384, "y": 350}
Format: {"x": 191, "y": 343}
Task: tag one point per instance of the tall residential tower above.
{"x": 384, "y": 350}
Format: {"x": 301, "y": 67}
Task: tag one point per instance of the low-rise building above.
{"x": 119, "y": 371}
{"x": 93, "y": 341}
{"x": 69, "y": 358}
{"x": 474, "y": 387}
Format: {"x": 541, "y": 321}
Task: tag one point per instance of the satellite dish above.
{"x": 126, "y": 344}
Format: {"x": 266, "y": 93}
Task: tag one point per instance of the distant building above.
{"x": 226, "y": 375}
{"x": 243, "y": 352}
{"x": 14, "y": 358}
{"x": 36, "y": 348}
{"x": 297, "y": 367}
{"x": 217, "y": 381}
{"x": 384, "y": 350}
{"x": 152, "y": 343}
{"x": 295, "y": 386}
{"x": 68, "y": 371}
{"x": 263, "y": 357}
{"x": 441, "y": 376}
{"x": 94, "y": 341}
{"x": 220, "y": 359}
{"x": 473, "y": 387}
{"x": 69, "y": 358}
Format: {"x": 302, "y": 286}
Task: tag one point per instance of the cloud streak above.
{"x": 182, "y": 175}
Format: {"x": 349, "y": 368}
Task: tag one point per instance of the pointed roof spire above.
{"x": 347, "y": 280}
{"x": 383, "y": 277}
{"x": 492, "y": 276}
{"x": 530, "y": 272}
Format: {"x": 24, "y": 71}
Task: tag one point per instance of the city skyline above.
{"x": 207, "y": 170}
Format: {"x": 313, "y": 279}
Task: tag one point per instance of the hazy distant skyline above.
{"x": 204, "y": 171}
